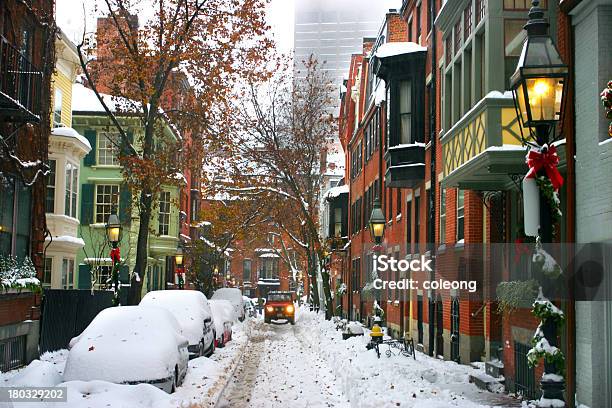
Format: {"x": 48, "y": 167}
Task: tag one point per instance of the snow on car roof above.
{"x": 118, "y": 346}
{"x": 189, "y": 307}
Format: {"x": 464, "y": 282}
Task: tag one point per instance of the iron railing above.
{"x": 20, "y": 82}
{"x": 12, "y": 353}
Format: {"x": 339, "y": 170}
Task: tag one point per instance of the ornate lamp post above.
{"x": 538, "y": 86}
{"x": 377, "y": 223}
{"x": 180, "y": 269}
{"x": 114, "y": 232}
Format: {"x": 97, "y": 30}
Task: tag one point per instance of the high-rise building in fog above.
{"x": 332, "y": 30}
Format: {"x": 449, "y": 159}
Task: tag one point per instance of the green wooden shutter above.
{"x": 125, "y": 204}
{"x": 87, "y": 204}
{"x": 90, "y": 158}
{"x": 124, "y": 274}
{"x": 84, "y": 278}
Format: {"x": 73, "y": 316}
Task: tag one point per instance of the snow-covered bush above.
{"x": 18, "y": 275}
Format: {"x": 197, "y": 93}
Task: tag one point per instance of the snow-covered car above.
{"x": 191, "y": 310}
{"x": 234, "y": 296}
{"x": 130, "y": 345}
{"x": 223, "y": 317}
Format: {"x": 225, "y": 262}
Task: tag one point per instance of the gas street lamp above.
{"x": 377, "y": 223}
{"x": 539, "y": 82}
{"x": 538, "y": 88}
{"x": 114, "y": 233}
{"x": 180, "y": 270}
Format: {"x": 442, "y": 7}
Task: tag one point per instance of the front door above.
{"x": 455, "y": 329}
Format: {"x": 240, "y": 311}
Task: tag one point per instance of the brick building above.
{"x": 27, "y": 42}
{"x": 471, "y": 228}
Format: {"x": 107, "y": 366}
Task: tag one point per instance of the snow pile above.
{"x": 189, "y": 307}
{"x": 234, "y": 297}
{"x": 392, "y": 49}
{"x": 380, "y": 94}
{"x": 389, "y": 381}
{"x": 102, "y": 394}
{"x": 117, "y": 346}
{"x": 36, "y": 374}
{"x": 67, "y": 239}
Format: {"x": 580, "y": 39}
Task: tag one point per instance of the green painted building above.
{"x": 102, "y": 190}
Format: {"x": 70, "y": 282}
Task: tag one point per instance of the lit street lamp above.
{"x": 180, "y": 270}
{"x": 114, "y": 233}
{"x": 538, "y": 87}
{"x": 377, "y": 223}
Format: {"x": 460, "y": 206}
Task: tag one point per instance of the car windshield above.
{"x": 279, "y": 297}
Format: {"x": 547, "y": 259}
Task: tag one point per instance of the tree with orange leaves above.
{"x": 214, "y": 43}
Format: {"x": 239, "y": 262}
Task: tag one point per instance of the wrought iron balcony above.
{"x": 20, "y": 85}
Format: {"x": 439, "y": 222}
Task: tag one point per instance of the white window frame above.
{"x": 460, "y": 214}
{"x": 57, "y": 107}
{"x": 442, "y": 215}
{"x": 67, "y": 273}
{"x": 106, "y": 149}
{"x": 71, "y": 199}
{"x": 51, "y": 181}
{"x": 110, "y": 204}
{"x": 164, "y": 213}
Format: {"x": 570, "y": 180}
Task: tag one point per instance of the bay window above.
{"x": 72, "y": 183}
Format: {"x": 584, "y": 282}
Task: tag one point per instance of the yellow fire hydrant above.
{"x": 376, "y": 334}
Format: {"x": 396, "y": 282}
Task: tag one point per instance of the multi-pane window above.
{"x": 337, "y": 222}
{"x": 442, "y": 215}
{"x": 417, "y": 220}
{"x": 57, "y": 107}
{"x": 460, "y": 215}
{"x": 107, "y": 149}
{"x": 246, "y": 270}
{"x": 107, "y": 200}
{"x": 67, "y": 273}
{"x": 410, "y": 31}
{"x": 105, "y": 276}
{"x": 449, "y": 48}
{"x": 467, "y": 21}
{"x": 356, "y": 160}
{"x": 481, "y": 9}
{"x": 269, "y": 268}
{"x": 72, "y": 185}
{"x": 418, "y": 23}
{"x": 405, "y": 112}
{"x": 164, "y": 212}
{"x": 457, "y": 36}
{"x": 50, "y": 200}
{"x": 47, "y": 271}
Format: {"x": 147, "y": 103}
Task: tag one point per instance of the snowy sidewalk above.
{"x": 278, "y": 370}
{"x": 393, "y": 381}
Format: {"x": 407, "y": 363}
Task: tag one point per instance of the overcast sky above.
{"x": 70, "y": 18}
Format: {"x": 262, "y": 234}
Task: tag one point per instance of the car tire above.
{"x": 267, "y": 320}
{"x": 292, "y": 321}
{"x": 221, "y": 343}
{"x": 202, "y": 349}
{"x": 212, "y": 346}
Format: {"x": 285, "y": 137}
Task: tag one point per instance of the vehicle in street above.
{"x": 192, "y": 311}
{"x": 223, "y": 318}
{"x": 234, "y": 296}
{"x": 130, "y": 345}
{"x": 279, "y": 305}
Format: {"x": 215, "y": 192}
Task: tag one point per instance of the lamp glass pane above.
{"x": 378, "y": 229}
{"x": 520, "y": 98}
{"x": 178, "y": 259}
{"x": 113, "y": 234}
{"x": 542, "y": 94}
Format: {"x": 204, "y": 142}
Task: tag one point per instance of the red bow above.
{"x": 180, "y": 270}
{"x": 115, "y": 255}
{"x": 547, "y": 160}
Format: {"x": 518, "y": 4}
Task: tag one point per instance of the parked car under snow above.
{"x": 192, "y": 311}
{"x": 234, "y": 296}
{"x": 223, "y": 317}
{"x": 130, "y": 345}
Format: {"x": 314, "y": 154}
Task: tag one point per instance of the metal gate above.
{"x": 455, "y": 330}
{"x": 524, "y": 381}
{"x": 66, "y": 313}
{"x": 12, "y": 353}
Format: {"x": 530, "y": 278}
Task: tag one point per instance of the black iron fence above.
{"x": 12, "y": 353}
{"x": 66, "y": 313}
{"x": 20, "y": 80}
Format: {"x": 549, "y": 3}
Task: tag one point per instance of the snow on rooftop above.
{"x": 380, "y": 94}
{"x": 337, "y": 191}
{"x": 391, "y": 49}
{"x": 64, "y": 131}
{"x": 67, "y": 239}
{"x": 85, "y": 100}
{"x": 269, "y": 255}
